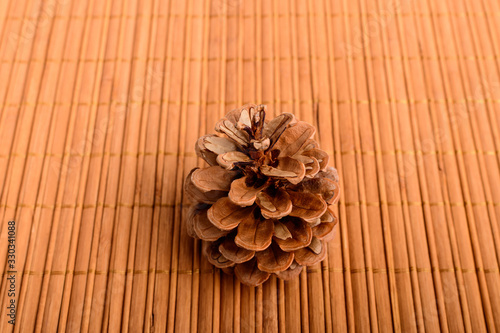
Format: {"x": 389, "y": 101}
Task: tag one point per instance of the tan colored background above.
{"x": 102, "y": 101}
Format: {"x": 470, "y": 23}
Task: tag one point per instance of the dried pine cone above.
{"x": 264, "y": 203}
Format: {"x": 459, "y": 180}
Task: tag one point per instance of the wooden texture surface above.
{"x": 102, "y": 101}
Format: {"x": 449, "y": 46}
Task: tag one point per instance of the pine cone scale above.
{"x": 243, "y": 195}
{"x": 254, "y": 234}
{"x": 213, "y": 178}
{"x": 250, "y": 274}
{"x": 301, "y": 235}
{"x": 274, "y": 205}
{"x": 226, "y": 215}
{"x": 274, "y": 259}
{"x": 233, "y": 252}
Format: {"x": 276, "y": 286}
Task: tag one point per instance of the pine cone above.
{"x": 264, "y": 203}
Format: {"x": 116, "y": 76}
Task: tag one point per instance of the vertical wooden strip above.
{"x": 259, "y": 309}
{"x": 14, "y": 66}
{"x": 117, "y": 97}
{"x": 35, "y": 177}
{"x": 163, "y": 295}
{"x": 118, "y": 212}
{"x": 270, "y": 305}
{"x": 472, "y": 191}
{"x": 96, "y": 51}
{"x": 182, "y": 245}
{"x": 475, "y": 191}
{"x": 366, "y": 232}
{"x": 414, "y": 321}
{"x": 383, "y": 136}
{"x": 437, "y": 192}
{"x": 138, "y": 257}
{"x": 491, "y": 38}
{"x": 416, "y": 176}
{"x": 87, "y": 95}
{"x": 33, "y": 171}
{"x": 4, "y": 14}
{"x": 100, "y": 162}
{"x": 343, "y": 308}
{"x": 198, "y": 279}
{"x": 192, "y": 93}
{"x": 174, "y": 164}
{"x": 295, "y": 63}
{"x": 19, "y": 129}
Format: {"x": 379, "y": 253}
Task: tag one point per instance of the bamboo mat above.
{"x": 102, "y": 101}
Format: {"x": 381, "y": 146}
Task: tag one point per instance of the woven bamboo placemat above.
{"x": 102, "y": 101}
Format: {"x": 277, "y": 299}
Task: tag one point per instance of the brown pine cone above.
{"x": 264, "y": 203}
